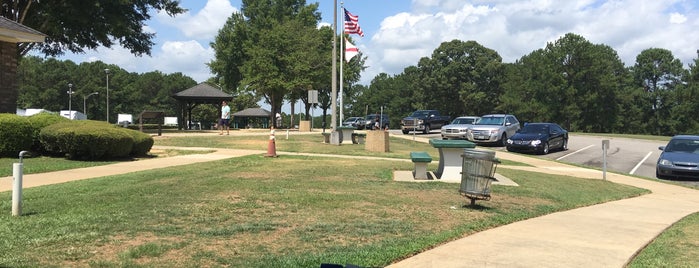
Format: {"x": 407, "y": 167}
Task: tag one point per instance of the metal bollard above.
{"x": 17, "y": 185}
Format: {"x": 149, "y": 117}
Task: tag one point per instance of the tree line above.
{"x": 582, "y": 86}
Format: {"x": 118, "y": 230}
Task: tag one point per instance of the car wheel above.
{"x": 503, "y": 139}
{"x": 564, "y": 147}
{"x": 545, "y": 150}
{"x": 426, "y": 130}
{"x": 405, "y": 132}
{"x": 509, "y": 149}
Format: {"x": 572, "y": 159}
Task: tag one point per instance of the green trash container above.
{"x": 477, "y": 174}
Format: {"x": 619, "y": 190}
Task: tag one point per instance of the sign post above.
{"x": 313, "y": 99}
{"x": 605, "y": 147}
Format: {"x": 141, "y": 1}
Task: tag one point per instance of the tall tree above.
{"x": 571, "y": 81}
{"x": 461, "y": 78}
{"x": 684, "y": 100}
{"x": 257, "y": 48}
{"x": 658, "y": 73}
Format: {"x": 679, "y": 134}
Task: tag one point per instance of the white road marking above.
{"x": 639, "y": 163}
{"x": 574, "y": 152}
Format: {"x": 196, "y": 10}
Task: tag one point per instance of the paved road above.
{"x": 627, "y": 156}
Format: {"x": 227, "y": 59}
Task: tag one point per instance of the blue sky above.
{"x": 399, "y": 32}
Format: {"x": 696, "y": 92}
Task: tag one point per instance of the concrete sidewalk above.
{"x": 604, "y": 235}
{"x": 33, "y": 180}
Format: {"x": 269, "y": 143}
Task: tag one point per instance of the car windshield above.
{"x": 534, "y": 129}
{"x": 351, "y": 119}
{"x": 491, "y": 120}
{"x": 683, "y": 145}
{"x": 419, "y": 114}
{"x": 460, "y": 121}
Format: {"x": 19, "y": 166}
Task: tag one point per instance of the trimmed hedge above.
{"x": 16, "y": 135}
{"x": 92, "y": 140}
{"x": 52, "y": 134}
{"x": 142, "y": 142}
{"x": 39, "y": 121}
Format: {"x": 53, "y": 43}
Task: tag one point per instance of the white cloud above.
{"x": 188, "y": 57}
{"x": 203, "y": 25}
{"x": 677, "y": 18}
{"x": 516, "y": 28}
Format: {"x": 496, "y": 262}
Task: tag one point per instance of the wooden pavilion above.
{"x": 251, "y": 118}
{"x": 203, "y": 93}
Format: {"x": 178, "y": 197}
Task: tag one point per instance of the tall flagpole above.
{"x": 333, "y": 96}
{"x": 342, "y": 62}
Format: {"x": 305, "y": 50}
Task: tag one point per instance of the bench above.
{"x": 421, "y": 159}
{"x": 358, "y": 138}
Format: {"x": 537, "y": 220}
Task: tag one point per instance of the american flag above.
{"x": 352, "y": 24}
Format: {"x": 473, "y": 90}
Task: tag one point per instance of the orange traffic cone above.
{"x": 271, "y": 146}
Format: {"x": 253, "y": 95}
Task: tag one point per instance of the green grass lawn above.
{"x": 291, "y": 211}
{"x": 678, "y": 246}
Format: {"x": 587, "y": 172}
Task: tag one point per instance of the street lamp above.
{"x": 107, "y": 72}
{"x": 70, "y": 101}
{"x": 85, "y": 102}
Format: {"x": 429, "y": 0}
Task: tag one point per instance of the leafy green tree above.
{"x": 461, "y": 78}
{"x": 571, "y": 81}
{"x": 686, "y": 103}
{"x": 257, "y": 49}
{"x": 658, "y": 74}
{"x": 630, "y": 102}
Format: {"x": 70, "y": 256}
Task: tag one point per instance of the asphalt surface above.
{"x": 626, "y": 156}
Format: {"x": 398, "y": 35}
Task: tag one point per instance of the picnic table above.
{"x": 450, "y": 160}
{"x": 346, "y": 134}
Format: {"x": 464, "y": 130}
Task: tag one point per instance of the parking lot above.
{"x": 628, "y": 156}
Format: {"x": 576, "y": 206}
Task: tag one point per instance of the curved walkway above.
{"x": 604, "y": 235}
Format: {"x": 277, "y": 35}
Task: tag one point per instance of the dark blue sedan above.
{"x": 539, "y": 138}
{"x": 679, "y": 159}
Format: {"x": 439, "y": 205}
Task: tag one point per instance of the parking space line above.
{"x": 639, "y": 163}
{"x": 574, "y": 152}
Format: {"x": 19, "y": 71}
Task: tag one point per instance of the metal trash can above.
{"x": 477, "y": 173}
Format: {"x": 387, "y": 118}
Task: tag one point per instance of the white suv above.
{"x": 458, "y": 128}
{"x": 493, "y": 128}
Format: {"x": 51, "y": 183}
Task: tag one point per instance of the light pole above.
{"x": 85, "y": 102}
{"x": 70, "y": 101}
{"x": 107, "y": 72}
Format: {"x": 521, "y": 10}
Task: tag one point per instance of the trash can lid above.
{"x": 479, "y": 154}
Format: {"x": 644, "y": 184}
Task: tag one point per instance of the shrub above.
{"x": 39, "y": 121}
{"x": 15, "y": 134}
{"x": 90, "y": 140}
{"x": 142, "y": 142}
